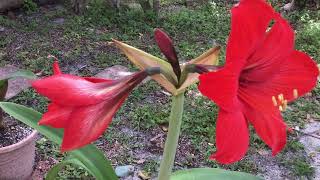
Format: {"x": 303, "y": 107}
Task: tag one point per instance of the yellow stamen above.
{"x": 280, "y": 98}
{"x": 274, "y": 100}
{"x": 281, "y": 102}
{"x": 295, "y": 93}
{"x": 285, "y": 104}
{"x": 280, "y": 108}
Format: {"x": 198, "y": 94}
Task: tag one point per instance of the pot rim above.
{"x": 19, "y": 144}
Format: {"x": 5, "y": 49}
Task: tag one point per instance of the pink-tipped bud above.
{"x": 166, "y": 46}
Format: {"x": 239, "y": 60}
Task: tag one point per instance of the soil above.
{"x": 13, "y": 132}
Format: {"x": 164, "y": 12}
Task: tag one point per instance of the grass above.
{"x": 83, "y": 40}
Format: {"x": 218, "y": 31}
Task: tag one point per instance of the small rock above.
{"x": 59, "y": 21}
{"x": 288, "y": 6}
{"x": 124, "y": 171}
{"x": 312, "y": 145}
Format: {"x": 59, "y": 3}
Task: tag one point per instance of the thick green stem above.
{"x": 172, "y": 137}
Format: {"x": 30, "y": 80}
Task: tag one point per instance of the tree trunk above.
{"x": 145, "y": 4}
{"x": 79, "y": 6}
{"x": 115, "y": 4}
{"x": 156, "y": 6}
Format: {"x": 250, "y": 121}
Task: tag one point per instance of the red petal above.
{"x": 249, "y": 22}
{"x": 221, "y": 87}
{"x": 72, "y": 90}
{"x": 232, "y": 137}
{"x": 269, "y": 57}
{"x": 86, "y": 124}
{"x": 269, "y": 126}
{"x": 96, "y": 80}
{"x": 297, "y": 72}
{"x": 56, "y": 116}
{"x": 56, "y": 68}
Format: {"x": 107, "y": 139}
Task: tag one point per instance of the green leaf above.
{"x": 23, "y": 73}
{"x": 52, "y": 174}
{"x": 211, "y": 174}
{"x": 90, "y": 156}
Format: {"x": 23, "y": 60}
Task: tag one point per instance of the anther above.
{"x": 281, "y": 102}
{"x": 280, "y": 97}
{"x": 280, "y": 108}
{"x": 295, "y": 93}
{"x": 285, "y": 104}
{"x": 274, "y": 100}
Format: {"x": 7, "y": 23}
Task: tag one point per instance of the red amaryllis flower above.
{"x": 83, "y": 107}
{"x": 262, "y": 74}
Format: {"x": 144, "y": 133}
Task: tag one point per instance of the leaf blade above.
{"x": 52, "y": 174}
{"x": 211, "y": 174}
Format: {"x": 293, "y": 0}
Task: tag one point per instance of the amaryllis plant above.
{"x": 262, "y": 74}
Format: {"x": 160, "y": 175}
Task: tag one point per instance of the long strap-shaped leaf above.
{"x": 52, "y": 174}
{"x": 91, "y": 157}
{"x": 211, "y": 174}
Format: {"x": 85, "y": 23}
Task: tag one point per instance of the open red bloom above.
{"x": 83, "y": 107}
{"x": 262, "y": 74}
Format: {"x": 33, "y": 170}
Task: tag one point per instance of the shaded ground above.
{"x": 137, "y": 134}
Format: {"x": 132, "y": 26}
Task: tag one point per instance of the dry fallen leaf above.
{"x": 143, "y": 175}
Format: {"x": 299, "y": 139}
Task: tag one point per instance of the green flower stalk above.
{"x": 172, "y": 137}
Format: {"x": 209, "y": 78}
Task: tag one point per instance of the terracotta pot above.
{"x": 17, "y": 160}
